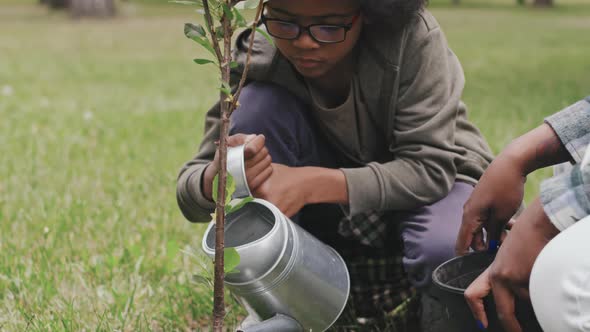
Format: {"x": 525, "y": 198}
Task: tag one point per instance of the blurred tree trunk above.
{"x": 55, "y": 4}
{"x": 93, "y": 8}
{"x": 543, "y": 3}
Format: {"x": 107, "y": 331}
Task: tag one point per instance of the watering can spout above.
{"x": 278, "y": 322}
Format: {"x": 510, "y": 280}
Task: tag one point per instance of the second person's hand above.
{"x": 494, "y": 201}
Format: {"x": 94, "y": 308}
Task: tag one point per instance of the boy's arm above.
{"x": 189, "y": 187}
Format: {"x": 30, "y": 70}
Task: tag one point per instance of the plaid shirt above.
{"x": 379, "y": 287}
{"x": 566, "y": 196}
{"x": 367, "y": 228}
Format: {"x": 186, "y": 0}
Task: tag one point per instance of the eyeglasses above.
{"x": 321, "y": 33}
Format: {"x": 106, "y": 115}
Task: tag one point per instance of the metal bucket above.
{"x": 454, "y": 276}
{"x": 283, "y": 269}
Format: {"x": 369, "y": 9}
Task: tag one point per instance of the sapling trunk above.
{"x": 228, "y": 103}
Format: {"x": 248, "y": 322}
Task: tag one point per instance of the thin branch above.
{"x": 224, "y": 65}
{"x": 248, "y": 56}
{"x": 212, "y": 31}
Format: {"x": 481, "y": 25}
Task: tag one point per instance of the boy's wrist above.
{"x": 323, "y": 185}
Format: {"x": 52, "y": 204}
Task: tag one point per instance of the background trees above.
{"x": 80, "y": 8}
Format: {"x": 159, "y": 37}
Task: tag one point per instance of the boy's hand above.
{"x": 258, "y": 162}
{"x": 508, "y": 276}
{"x": 284, "y": 189}
{"x": 492, "y": 204}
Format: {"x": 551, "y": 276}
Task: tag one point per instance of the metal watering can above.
{"x": 288, "y": 280}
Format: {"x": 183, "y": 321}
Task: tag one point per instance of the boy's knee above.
{"x": 277, "y": 114}
{"x": 424, "y": 256}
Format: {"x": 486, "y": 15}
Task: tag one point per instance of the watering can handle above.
{"x": 236, "y": 166}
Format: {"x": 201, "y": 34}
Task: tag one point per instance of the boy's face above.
{"x": 311, "y": 58}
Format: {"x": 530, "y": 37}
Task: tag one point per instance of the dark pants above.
{"x": 428, "y": 233}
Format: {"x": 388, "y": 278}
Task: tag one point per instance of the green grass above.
{"x": 98, "y": 116}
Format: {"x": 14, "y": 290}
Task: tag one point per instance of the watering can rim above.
{"x": 275, "y": 228}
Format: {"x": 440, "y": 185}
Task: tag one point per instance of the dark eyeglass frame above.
{"x": 300, "y": 28}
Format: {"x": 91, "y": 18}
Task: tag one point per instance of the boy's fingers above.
{"x": 239, "y": 139}
{"x": 261, "y": 155}
{"x": 260, "y": 178}
{"x": 253, "y": 146}
{"x": 254, "y": 171}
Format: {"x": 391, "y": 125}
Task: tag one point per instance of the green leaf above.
{"x": 230, "y": 188}
{"x": 190, "y": 29}
{"x": 266, "y": 35}
{"x": 215, "y": 187}
{"x": 239, "y": 21}
{"x": 225, "y": 91}
{"x": 231, "y": 259}
{"x": 227, "y": 11}
{"x": 203, "y": 61}
{"x": 197, "y": 33}
{"x": 219, "y": 32}
{"x": 238, "y": 205}
{"x": 233, "y": 65}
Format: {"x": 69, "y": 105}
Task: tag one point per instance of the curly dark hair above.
{"x": 392, "y": 12}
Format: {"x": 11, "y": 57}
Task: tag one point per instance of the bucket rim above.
{"x": 440, "y": 284}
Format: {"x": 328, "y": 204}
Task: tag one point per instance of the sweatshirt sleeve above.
{"x": 566, "y": 196}
{"x": 572, "y": 125}
{"x": 193, "y": 204}
{"x": 423, "y": 169}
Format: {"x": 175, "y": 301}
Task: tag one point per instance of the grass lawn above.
{"x": 97, "y": 117}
